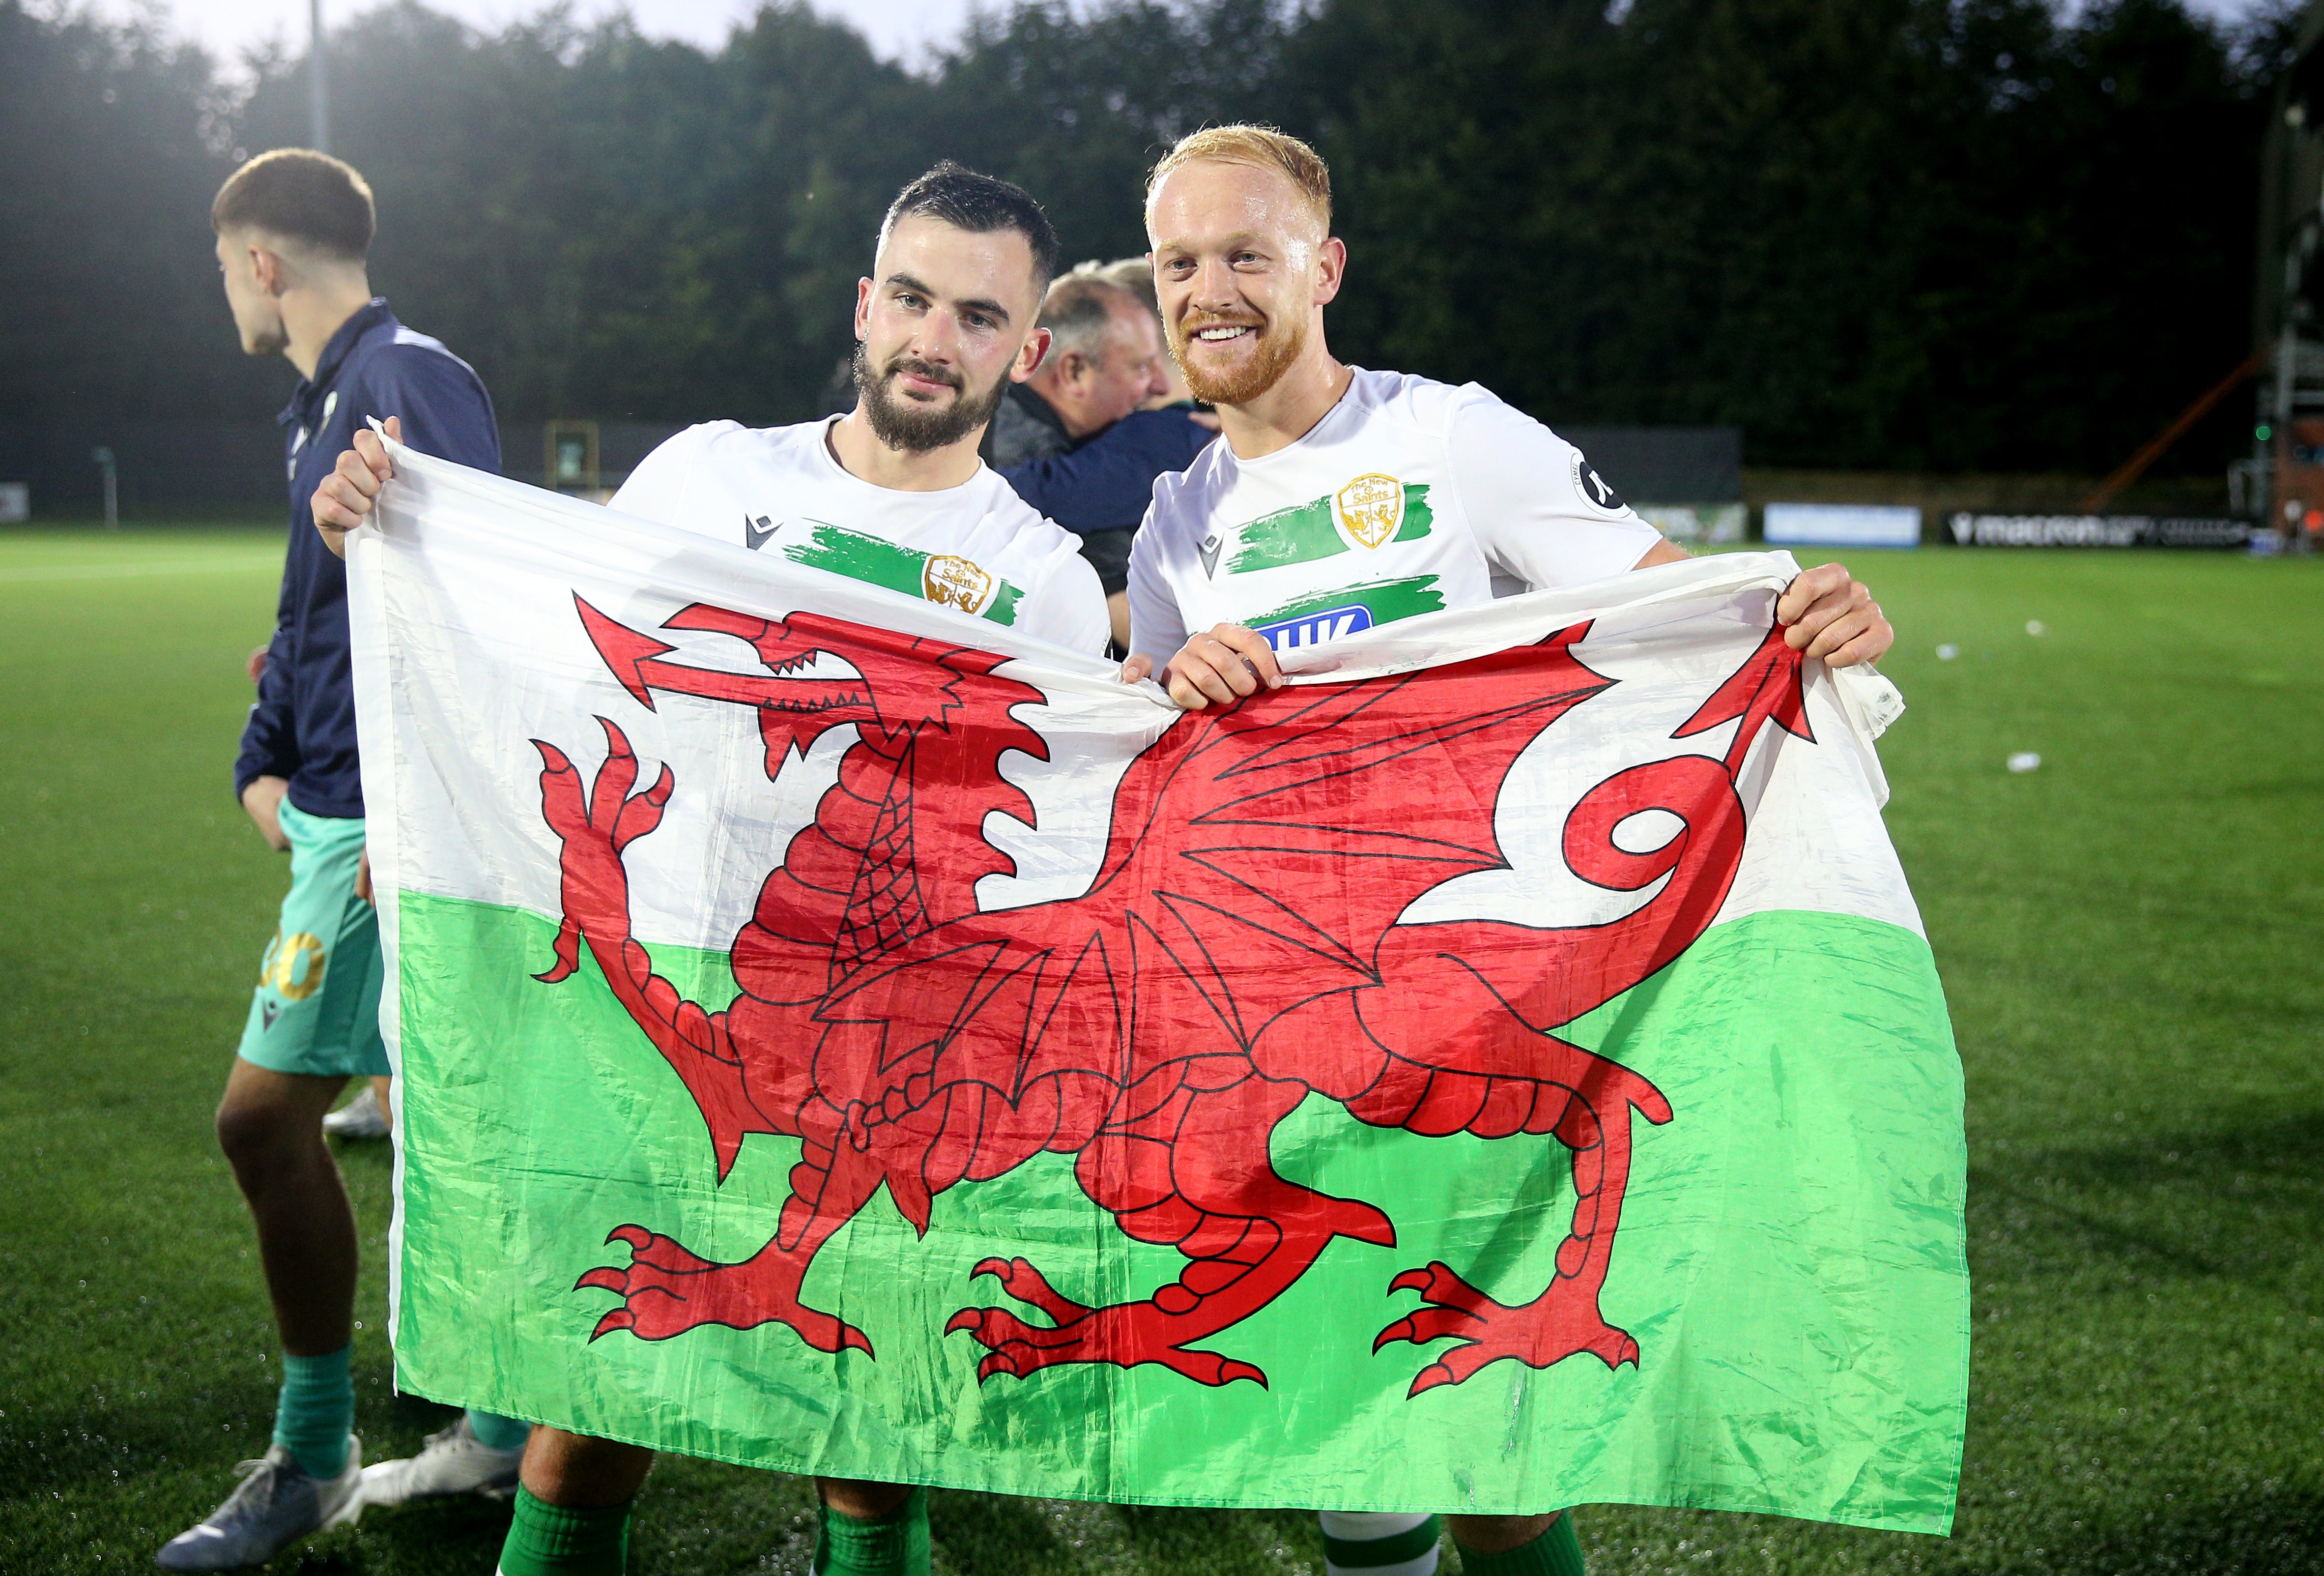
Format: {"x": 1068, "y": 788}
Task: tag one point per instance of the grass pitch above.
{"x": 2127, "y": 937}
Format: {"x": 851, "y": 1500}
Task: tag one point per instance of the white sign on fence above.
{"x": 1842, "y": 525}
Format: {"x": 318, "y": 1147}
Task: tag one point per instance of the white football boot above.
{"x": 278, "y": 1504}
{"x": 360, "y": 1118}
{"x": 453, "y": 1460}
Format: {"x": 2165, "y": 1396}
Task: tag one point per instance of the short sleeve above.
{"x": 1074, "y": 612}
{"x": 1540, "y": 512}
{"x": 656, "y": 491}
{"x": 1156, "y": 627}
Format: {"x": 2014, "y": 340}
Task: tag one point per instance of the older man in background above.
{"x": 1106, "y": 360}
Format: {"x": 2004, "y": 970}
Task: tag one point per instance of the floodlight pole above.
{"x": 319, "y": 93}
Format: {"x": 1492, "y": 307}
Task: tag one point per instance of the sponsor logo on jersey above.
{"x": 955, "y": 582}
{"x": 1315, "y": 628}
{"x": 756, "y": 532}
{"x": 1348, "y": 610}
{"x": 1371, "y": 508}
{"x": 1593, "y": 487}
{"x": 268, "y": 1011}
{"x": 1210, "y": 551}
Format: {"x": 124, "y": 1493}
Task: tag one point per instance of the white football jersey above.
{"x": 976, "y": 547}
{"x": 1410, "y": 497}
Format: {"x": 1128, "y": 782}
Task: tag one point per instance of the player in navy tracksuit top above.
{"x": 303, "y": 727}
{"x": 293, "y": 229}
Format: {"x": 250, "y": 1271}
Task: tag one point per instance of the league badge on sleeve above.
{"x": 1594, "y": 488}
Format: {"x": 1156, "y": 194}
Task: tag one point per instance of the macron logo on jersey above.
{"x": 1315, "y": 628}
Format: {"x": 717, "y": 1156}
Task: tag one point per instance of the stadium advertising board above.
{"x": 1842, "y": 525}
{"x": 1968, "y": 530}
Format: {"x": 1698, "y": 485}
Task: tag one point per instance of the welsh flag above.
{"x": 1502, "y": 1069}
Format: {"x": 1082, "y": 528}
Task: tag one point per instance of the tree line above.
{"x": 1894, "y": 234}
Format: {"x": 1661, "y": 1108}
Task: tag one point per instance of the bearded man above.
{"x": 1341, "y": 499}
{"x": 947, "y": 320}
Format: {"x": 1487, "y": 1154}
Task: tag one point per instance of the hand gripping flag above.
{"x": 1500, "y": 1069}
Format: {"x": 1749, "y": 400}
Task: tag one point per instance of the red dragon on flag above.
{"x": 1240, "y": 946}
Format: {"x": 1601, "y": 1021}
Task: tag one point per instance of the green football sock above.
{"x": 495, "y": 1432}
{"x": 898, "y": 1546}
{"x": 317, "y": 1411}
{"x": 1556, "y": 1552}
{"x": 548, "y": 1540}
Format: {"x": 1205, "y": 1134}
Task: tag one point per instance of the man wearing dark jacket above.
{"x": 1105, "y": 359}
{"x": 1072, "y": 441}
{"x": 293, "y": 229}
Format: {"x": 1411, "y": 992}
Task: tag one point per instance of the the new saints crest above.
{"x": 955, "y": 582}
{"x": 1371, "y": 508}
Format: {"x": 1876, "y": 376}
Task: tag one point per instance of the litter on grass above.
{"x": 1947, "y": 652}
{"x": 2036, "y": 626}
{"x": 2024, "y": 761}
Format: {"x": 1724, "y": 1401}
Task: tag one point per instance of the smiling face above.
{"x": 1243, "y": 266}
{"x": 946, "y": 321}
{"x": 257, "y": 310}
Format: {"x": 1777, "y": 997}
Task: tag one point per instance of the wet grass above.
{"x": 2127, "y": 937}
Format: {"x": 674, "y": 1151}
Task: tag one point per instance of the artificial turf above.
{"x": 2128, "y": 937}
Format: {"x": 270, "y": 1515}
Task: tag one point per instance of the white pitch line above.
{"x": 108, "y": 572}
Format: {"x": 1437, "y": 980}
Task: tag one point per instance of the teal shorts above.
{"x": 316, "y": 1010}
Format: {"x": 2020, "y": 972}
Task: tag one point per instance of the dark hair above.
{"x": 981, "y": 205}
{"x": 300, "y": 195}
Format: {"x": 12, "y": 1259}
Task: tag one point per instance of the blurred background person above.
{"x": 1121, "y": 416}
{"x": 1136, "y": 275}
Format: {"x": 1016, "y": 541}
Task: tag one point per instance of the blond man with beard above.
{"x": 1344, "y": 498}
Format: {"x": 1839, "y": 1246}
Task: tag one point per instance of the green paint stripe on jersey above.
{"x": 1387, "y": 600}
{"x": 1308, "y": 532}
{"x": 877, "y": 562}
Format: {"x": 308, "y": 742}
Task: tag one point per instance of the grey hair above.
{"x": 1134, "y": 274}
{"x": 1078, "y": 311}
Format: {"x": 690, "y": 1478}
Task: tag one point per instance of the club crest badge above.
{"x": 955, "y": 582}
{"x": 1371, "y": 508}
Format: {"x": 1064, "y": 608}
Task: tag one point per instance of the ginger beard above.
{"x": 1280, "y": 345}
{"x": 913, "y": 425}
